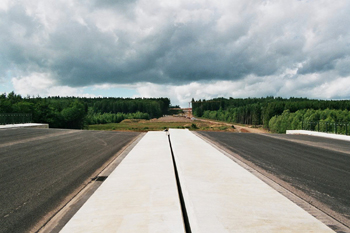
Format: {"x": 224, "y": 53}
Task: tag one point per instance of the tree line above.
{"x": 313, "y": 120}
{"x": 104, "y": 118}
{"x": 78, "y": 112}
{"x": 259, "y": 111}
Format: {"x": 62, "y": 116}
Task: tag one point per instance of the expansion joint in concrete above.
{"x": 181, "y": 198}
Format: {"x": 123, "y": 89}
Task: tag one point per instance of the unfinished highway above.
{"x": 192, "y": 182}
{"x": 214, "y": 194}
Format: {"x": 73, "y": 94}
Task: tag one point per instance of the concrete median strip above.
{"x": 142, "y": 194}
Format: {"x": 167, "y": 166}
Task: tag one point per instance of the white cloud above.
{"x": 5, "y": 4}
{"x": 41, "y": 84}
{"x": 304, "y": 86}
{"x": 338, "y": 88}
{"x": 183, "y": 94}
{"x": 200, "y": 49}
{"x": 35, "y": 84}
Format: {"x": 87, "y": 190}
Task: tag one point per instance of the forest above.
{"x": 78, "y": 112}
{"x": 274, "y": 113}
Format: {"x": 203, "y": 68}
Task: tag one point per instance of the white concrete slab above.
{"x": 221, "y": 196}
{"x": 319, "y": 134}
{"x": 139, "y": 196}
{"x": 25, "y": 125}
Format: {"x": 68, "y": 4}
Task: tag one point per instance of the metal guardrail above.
{"x": 327, "y": 127}
{"x": 15, "y": 118}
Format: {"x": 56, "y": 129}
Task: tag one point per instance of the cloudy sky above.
{"x": 176, "y": 48}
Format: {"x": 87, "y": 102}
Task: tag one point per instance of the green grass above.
{"x": 144, "y": 126}
{"x": 140, "y": 126}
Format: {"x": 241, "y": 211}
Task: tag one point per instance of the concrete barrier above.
{"x": 26, "y": 125}
{"x": 319, "y": 134}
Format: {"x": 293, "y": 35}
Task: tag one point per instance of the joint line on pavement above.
{"x": 182, "y": 201}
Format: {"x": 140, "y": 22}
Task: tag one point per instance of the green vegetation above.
{"x": 299, "y": 119}
{"x": 77, "y": 113}
{"x": 15, "y": 118}
{"x": 104, "y": 118}
{"x": 276, "y": 114}
{"x": 175, "y": 111}
{"x": 154, "y": 107}
{"x": 156, "y": 125}
{"x": 139, "y": 125}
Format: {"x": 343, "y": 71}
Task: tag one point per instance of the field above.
{"x": 163, "y": 123}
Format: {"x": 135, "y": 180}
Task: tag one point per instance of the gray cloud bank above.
{"x": 81, "y": 43}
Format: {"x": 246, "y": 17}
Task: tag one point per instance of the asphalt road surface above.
{"x": 317, "y": 166}
{"x": 40, "y": 167}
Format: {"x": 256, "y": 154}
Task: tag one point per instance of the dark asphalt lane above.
{"x": 38, "y": 173}
{"x": 323, "y": 174}
{"x": 326, "y": 143}
{"x": 15, "y": 136}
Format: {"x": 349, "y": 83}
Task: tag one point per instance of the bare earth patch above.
{"x": 250, "y": 129}
{"x": 239, "y": 128}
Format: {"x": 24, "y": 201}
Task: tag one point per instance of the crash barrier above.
{"x": 15, "y": 118}
{"x": 327, "y": 127}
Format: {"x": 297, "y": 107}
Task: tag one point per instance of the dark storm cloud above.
{"x": 16, "y": 45}
{"x": 111, "y": 3}
{"x": 168, "y": 42}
